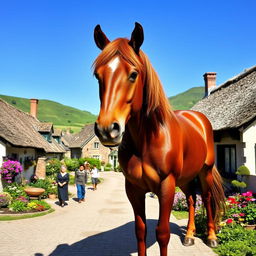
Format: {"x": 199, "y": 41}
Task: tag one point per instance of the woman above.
{"x": 95, "y": 177}
{"x": 62, "y": 181}
{"x": 81, "y": 180}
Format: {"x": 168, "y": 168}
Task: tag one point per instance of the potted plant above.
{"x": 52, "y": 191}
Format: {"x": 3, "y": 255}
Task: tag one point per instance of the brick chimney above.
{"x": 33, "y": 107}
{"x": 210, "y": 82}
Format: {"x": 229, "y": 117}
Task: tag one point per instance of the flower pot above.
{"x": 52, "y": 196}
{"x": 32, "y": 191}
{"x": 250, "y": 227}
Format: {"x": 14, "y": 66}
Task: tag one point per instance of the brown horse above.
{"x": 158, "y": 148}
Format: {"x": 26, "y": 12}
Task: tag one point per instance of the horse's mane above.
{"x": 155, "y": 100}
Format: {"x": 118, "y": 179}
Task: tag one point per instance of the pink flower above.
{"x": 248, "y": 193}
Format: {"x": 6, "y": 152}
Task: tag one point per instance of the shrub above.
{"x": 15, "y": 190}
{"x": 17, "y": 206}
{"x": 93, "y": 161}
{"x": 235, "y": 240}
{"x": 71, "y": 179}
{"x": 71, "y": 163}
{"x": 53, "y": 166}
{"x": 241, "y": 209}
{"x": 43, "y": 183}
{"x": 243, "y": 170}
{"x": 5, "y": 199}
{"x": 38, "y": 205}
{"x": 238, "y": 184}
{"x": 108, "y": 167}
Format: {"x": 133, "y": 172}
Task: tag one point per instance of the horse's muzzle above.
{"x": 109, "y": 136}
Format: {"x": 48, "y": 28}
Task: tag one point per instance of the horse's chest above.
{"x": 142, "y": 174}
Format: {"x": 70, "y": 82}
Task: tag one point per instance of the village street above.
{"x": 102, "y": 226}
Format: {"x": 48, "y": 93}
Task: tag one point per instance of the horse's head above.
{"x": 119, "y": 71}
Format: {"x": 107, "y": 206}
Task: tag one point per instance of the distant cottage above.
{"x": 86, "y": 144}
{"x": 231, "y": 108}
{"x": 24, "y": 138}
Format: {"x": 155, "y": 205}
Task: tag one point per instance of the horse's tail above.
{"x": 218, "y": 195}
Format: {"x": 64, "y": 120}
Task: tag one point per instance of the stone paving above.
{"x": 102, "y": 226}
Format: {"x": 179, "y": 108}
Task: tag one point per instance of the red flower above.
{"x": 248, "y": 199}
{"x": 241, "y": 214}
{"x": 229, "y": 221}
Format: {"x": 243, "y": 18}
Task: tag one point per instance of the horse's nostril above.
{"x": 116, "y": 126}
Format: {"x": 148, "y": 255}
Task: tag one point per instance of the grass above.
{"x": 180, "y": 214}
{"x": 25, "y": 216}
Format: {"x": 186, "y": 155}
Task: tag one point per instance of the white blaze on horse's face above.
{"x": 113, "y": 64}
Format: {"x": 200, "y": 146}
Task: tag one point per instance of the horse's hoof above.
{"x": 188, "y": 241}
{"x": 212, "y": 243}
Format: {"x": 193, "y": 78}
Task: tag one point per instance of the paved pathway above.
{"x": 102, "y": 226}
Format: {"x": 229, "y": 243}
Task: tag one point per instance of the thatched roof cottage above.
{"x": 231, "y": 108}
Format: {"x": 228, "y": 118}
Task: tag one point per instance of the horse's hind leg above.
{"x": 207, "y": 182}
{"x": 189, "y": 190}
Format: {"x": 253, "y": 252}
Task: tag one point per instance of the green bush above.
{"x": 71, "y": 179}
{"x": 38, "y": 205}
{"x": 243, "y": 170}
{"x": 53, "y": 167}
{"x": 93, "y": 161}
{"x": 236, "y": 241}
{"x": 239, "y": 184}
{"x": 43, "y": 183}
{"x": 108, "y": 167}
{"x": 18, "y": 206}
{"x": 15, "y": 190}
{"x": 5, "y": 199}
{"x": 71, "y": 163}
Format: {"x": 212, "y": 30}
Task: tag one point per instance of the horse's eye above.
{"x": 133, "y": 76}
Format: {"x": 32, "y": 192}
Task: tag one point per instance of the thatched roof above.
{"x": 22, "y": 130}
{"x": 232, "y": 104}
{"x": 78, "y": 140}
{"x": 45, "y": 127}
{"x": 57, "y": 132}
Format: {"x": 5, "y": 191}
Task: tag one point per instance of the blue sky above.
{"x": 47, "y": 46}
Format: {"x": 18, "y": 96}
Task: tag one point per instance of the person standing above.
{"x": 95, "y": 177}
{"x": 81, "y": 180}
{"x": 62, "y": 181}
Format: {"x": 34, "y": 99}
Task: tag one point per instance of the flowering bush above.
{"x": 5, "y": 199}
{"x": 15, "y": 190}
{"x": 180, "y": 202}
{"x": 241, "y": 209}
{"x": 17, "y": 206}
{"x": 23, "y": 205}
{"x": 53, "y": 167}
{"x": 10, "y": 169}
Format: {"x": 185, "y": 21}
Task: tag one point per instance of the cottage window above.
{"x": 96, "y": 145}
{"x": 226, "y": 160}
{"x": 96, "y": 157}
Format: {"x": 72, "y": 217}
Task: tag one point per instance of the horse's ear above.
{"x": 100, "y": 38}
{"x": 137, "y": 37}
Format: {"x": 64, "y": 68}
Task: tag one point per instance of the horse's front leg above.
{"x": 165, "y": 197}
{"x": 136, "y": 197}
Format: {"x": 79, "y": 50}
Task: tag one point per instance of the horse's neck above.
{"x": 142, "y": 127}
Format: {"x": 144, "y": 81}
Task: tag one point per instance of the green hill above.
{"x": 61, "y": 116}
{"x": 187, "y": 99}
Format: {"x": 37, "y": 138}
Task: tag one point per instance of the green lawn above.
{"x": 180, "y": 214}
{"x": 25, "y": 216}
